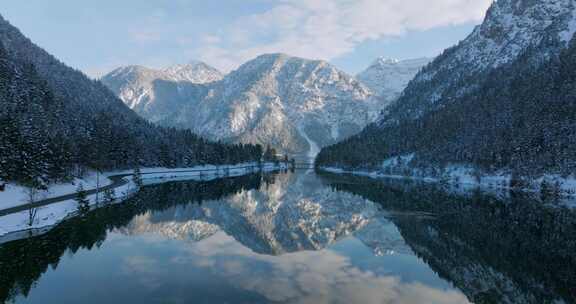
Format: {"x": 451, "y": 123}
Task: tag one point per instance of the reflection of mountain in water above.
{"x": 294, "y": 213}
{"x": 495, "y": 251}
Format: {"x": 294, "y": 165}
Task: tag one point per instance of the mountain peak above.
{"x": 273, "y": 56}
{"x": 385, "y": 61}
{"x": 282, "y": 57}
{"x": 388, "y": 77}
{"x": 195, "y": 72}
{"x": 129, "y": 69}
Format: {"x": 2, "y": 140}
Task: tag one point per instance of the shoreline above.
{"x": 18, "y": 225}
{"x": 460, "y": 177}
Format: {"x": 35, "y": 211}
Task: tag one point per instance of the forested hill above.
{"x": 56, "y": 122}
{"x": 516, "y": 113}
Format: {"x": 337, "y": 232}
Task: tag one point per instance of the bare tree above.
{"x": 97, "y": 187}
{"x": 32, "y": 196}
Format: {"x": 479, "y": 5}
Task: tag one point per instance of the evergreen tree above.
{"x": 82, "y": 199}
{"x": 109, "y": 196}
{"x": 137, "y": 177}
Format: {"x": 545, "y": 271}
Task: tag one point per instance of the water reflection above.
{"x": 298, "y": 238}
{"x": 292, "y": 213}
{"x": 513, "y": 250}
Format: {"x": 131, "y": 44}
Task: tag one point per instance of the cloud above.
{"x": 328, "y": 29}
{"x": 307, "y": 276}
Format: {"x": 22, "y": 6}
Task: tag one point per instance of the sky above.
{"x": 98, "y": 36}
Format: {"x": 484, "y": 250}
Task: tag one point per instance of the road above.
{"x": 117, "y": 181}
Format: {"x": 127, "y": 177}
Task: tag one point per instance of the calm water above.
{"x": 301, "y": 238}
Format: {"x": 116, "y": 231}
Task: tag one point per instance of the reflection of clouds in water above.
{"x": 145, "y": 269}
{"x": 307, "y": 276}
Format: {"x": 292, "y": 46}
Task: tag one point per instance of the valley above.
{"x": 276, "y": 152}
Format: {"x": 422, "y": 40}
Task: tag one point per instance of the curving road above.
{"x": 117, "y": 181}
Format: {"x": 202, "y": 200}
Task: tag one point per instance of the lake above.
{"x": 302, "y": 237}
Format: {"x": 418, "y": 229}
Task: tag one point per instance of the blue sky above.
{"x": 97, "y": 36}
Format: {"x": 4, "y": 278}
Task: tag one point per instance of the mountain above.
{"x": 295, "y": 105}
{"x": 137, "y": 85}
{"x": 194, "y": 72}
{"x": 501, "y": 100}
{"x": 388, "y": 77}
{"x": 56, "y": 122}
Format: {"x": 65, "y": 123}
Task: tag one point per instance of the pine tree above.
{"x": 109, "y": 196}
{"x": 137, "y": 177}
{"x": 82, "y": 200}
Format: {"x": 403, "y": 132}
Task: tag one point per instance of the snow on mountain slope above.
{"x": 498, "y": 102}
{"x": 152, "y": 92}
{"x": 195, "y": 72}
{"x": 290, "y": 103}
{"x": 511, "y": 27}
{"x": 388, "y": 77}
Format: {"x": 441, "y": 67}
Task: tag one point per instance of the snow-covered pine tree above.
{"x": 82, "y": 199}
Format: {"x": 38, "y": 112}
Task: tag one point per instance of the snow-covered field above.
{"x": 18, "y": 225}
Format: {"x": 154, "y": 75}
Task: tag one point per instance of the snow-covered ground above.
{"x": 16, "y": 195}
{"x": 19, "y": 225}
{"x": 466, "y": 176}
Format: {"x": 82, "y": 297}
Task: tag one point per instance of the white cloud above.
{"x": 328, "y": 29}
{"x": 307, "y": 276}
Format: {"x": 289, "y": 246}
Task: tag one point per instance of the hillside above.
{"x": 57, "y": 123}
{"x": 501, "y": 100}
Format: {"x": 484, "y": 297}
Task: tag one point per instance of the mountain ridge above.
{"x": 291, "y": 103}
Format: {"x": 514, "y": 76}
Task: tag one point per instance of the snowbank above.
{"x": 50, "y": 215}
{"x": 468, "y": 176}
{"x": 20, "y": 225}
{"x": 16, "y": 195}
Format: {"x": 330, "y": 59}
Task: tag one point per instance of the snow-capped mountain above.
{"x": 293, "y": 104}
{"x": 194, "y": 72}
{"x": 388, "y": 77}
{"x": 142, "y": 88}
{"x": 511, "y": 27}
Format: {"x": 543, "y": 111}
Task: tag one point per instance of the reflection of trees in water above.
{"x": 513, "y": 251}
{"x": 495, "y": 251}
{"x": 23, "y": 262}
